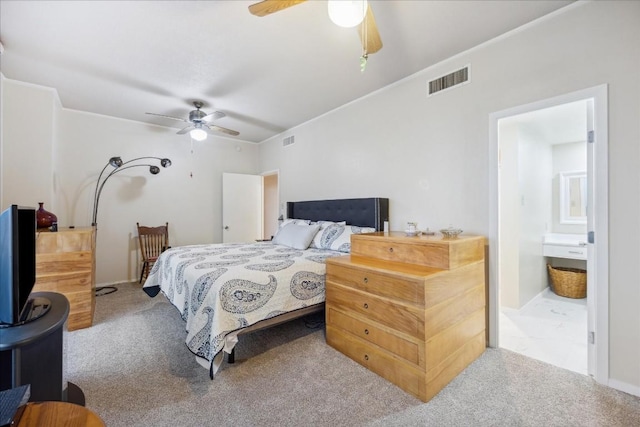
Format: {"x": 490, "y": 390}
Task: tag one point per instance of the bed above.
{"x": 224, "y": 291}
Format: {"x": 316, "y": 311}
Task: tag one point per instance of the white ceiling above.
{"x": 125, "y": 58}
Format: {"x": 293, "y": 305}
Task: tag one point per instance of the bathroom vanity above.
{"x": 568, "y": 246}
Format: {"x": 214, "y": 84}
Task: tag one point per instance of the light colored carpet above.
{"x": 135, "y": 370}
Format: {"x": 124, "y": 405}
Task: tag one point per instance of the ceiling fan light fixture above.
{"x": 198, "y": 134}
{"x": 347, "y": 13}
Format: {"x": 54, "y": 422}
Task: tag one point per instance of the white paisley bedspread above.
{"x": 221, "y": 288}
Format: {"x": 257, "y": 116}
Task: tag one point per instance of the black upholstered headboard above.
{"x": 369, "y": 212}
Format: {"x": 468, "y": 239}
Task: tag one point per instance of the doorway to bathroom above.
{"x": 536, "y": 151}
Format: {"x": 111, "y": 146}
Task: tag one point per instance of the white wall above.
{"x": 430, "y": 155}
{"x": 525, "y": 212}
{"x": 509, "y": 221}
{"x": 27, "y": 145}
{"x": 534, "y": 169}
{"x": 59, "y": 160}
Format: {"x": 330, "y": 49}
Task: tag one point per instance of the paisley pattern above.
{"x": 330, "y": 234}
{"x": 244, "y": 296}
{"x": 306, "y": 285}
{"x": 202, "y": 286}
{"x": 221, "y": 288}
{"x": 200, "y": 343}
{"x": 283, "y": 256}
{"x": 274, "y": 266}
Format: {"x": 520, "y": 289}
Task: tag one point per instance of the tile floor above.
{"x": 549, "y": 328}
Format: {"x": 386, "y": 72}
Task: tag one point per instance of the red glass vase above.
{"x": 44, "y": 218}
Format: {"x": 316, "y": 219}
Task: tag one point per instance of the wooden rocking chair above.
{"x": 153, "y": 241}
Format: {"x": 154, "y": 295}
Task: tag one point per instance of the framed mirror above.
{"x": 573, "y": 197}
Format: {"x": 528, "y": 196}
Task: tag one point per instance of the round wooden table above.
{"x": 44, "y": 414}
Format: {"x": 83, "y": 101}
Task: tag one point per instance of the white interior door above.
{"x": 241, "y": 207}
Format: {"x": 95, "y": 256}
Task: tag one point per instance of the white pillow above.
{"x": 297, "y": 236}
{"x": 316, "y": 242}
{"x": 338, "y": 237}
{"x": 294, "y": 221}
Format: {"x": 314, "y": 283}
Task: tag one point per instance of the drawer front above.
{"x": 386, "y": 285}
{"x": 63, "y": 262}
{"x": 64, "y": 241}
{"x": 65, "y": 282}
{"x": 571, "y": 252}
{"x": 393, "y": 370}
{"x": 439, "y": 347}
{"x": 399, "y": 317}
{"x": 424, "y": 254}
{"x": 410, "y": 351}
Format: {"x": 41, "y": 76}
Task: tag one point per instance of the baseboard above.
{"x": 117, "y": 282}
{"x": 622, "y": 386}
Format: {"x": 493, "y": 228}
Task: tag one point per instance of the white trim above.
{"x": 601, "y": 246}
{"x": 625, "y": 387}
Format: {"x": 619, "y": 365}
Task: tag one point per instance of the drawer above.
{"x": 562, "y": 251}
{"x": 386, "y": 285}
{"x": 65, "y": 282}
{"x": 393, "y": 370}
{"x": 429, "y": 251}
{"x": 402, "y": 318}
{"x": 63, "y": 262}
{"x": 408, "y": 350}
{"x": 424, "y": 254}
{"x": 64, "y": 241}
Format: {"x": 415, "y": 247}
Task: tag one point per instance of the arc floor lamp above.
{"x": 119, "y": 166}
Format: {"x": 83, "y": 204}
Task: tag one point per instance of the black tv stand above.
{"x": 32, "y": 352}
{"x": 34, "y": 309}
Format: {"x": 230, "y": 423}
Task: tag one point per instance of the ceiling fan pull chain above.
{"x": 365, "y": 55}
{"x": 363, "y": 61}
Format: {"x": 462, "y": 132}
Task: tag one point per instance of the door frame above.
{"x": 265, "y": 203}
{"x": 598, "y": 252}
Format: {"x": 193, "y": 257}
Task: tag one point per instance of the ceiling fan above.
{"x": 341, "y": 12}
{"x": 199, "y": 123}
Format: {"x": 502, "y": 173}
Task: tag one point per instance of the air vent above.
{"x": 288, "y": 140}
{"x": 449, "y": 81}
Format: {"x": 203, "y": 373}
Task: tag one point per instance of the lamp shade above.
{"x": 347, "y": 13}
{"x": 116, "y": 162}
{"x": 198, "y": 134}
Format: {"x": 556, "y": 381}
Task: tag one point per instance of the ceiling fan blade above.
{"x": 369, "y": 34}
{"x": 223, "y": 130}
{"x": 186, "y": 130}
{"x": 268, "y": 7}
{"x": 168, "y": 117}
{"x": 213, "y": 116}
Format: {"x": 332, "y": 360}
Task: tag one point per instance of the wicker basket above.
{"x": 568, "y": 282}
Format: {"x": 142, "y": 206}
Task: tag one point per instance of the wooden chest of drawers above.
{"x": 411, "y": 309}
{"x": 65, "y": 264}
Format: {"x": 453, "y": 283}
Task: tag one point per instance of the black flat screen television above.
{"x": 17, "y": 263}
